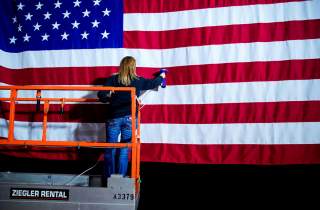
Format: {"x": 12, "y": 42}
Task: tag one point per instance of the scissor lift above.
{"x": 32, "y": 191}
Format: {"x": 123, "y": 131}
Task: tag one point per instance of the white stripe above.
{"x": 263, "y": 13}
{"x": 49, "y": 94}
{"x": 197, "y": 55}
{"x": 55, "y": 131}
{"x": 61, "y": 58}
{"x": 290, "y": 90}
{"x": 271, "y": 91}
{"x": 246, "y": 133}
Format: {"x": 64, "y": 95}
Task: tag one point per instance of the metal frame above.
{"x": 134, "y": 144}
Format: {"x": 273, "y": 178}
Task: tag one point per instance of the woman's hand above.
{"x": 163, "y": 75}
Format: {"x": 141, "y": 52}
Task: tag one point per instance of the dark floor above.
{"x": 209, "y": 186}
{"x": 204, "y": 186}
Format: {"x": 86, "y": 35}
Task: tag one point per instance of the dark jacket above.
{"x": 120, "y": 102}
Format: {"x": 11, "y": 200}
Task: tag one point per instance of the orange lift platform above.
{"x": 25, "y": 191}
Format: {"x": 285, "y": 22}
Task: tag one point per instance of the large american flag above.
{"x": 243, "y": 82}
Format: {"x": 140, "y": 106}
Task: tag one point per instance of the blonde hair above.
{"x": 127, "y": 70}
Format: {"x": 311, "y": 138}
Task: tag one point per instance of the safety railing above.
{"x": 10, "y": 140}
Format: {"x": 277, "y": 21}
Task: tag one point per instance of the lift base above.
{"x": 18, "y": 195}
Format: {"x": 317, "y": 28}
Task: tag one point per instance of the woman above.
{"x": 119, "y": 120}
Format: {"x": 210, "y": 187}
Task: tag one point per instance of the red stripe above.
{"x": 300, "y": 111}
{"x": 245, "y": 33}
{"x": 72, "y": 113}
{"x": 147, "y": 6}
{"x": 244, "y": 72}
{"x": 52, "y": 153}
{"x": 232, "y": 154}
{"x": 195, "y": 154}
{"x": 56, "y": 75}
{"x": 201, "y": 74}
{"x": 296, "y": 111}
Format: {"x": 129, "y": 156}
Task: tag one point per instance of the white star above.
{"x": 20, "y": 6}
{"x": 86, "y": 13}
{"x": 47, "y": 15}
{"x": 45, "y": 37}
{"x": 36, "y": 27}
{"x": 106, "y": 12}
{"x": 55, "y": 25}
{"x": 57, "y": 4}
{"x": 96, "y": 2}
{"x": 13, "y": 40}
{"x": 66, "y": 14}
{"x": 26, "y": 38}
{"x": 77, "y": 3}
{"x": 95, "y": 24}
{"x": 14, "y": 19}
{"x": 65, "y": 36}
{"x": 28, "y": 16}
{"x": 84, "y": 35}
{"x": 105, "y": 34}
{"x": 39, "y": 5}
{"x": 75, "y": 24}
{"x": 20, "y": 27}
